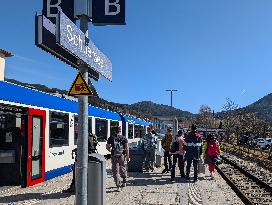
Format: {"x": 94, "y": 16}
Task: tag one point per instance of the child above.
{"x": 211, "y": 152}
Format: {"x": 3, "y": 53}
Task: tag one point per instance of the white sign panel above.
{"x": 70, "y": 37}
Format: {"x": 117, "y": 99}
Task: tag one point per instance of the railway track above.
{"x": 251, "y": 190}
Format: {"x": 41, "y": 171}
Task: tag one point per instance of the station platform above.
{"x": 143, "y": 188}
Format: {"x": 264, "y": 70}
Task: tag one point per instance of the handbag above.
{"x": 218, "y": 160}
{"x": 201, "y": 166}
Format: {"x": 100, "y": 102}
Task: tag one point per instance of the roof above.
{"x": 19, "y": 94}
{"x": 6, "y": 53}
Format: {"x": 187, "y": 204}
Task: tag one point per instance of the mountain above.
{"x": 144, "y": 109}
{"x": 262, "y": 107}
{"x": 155, "y": 109}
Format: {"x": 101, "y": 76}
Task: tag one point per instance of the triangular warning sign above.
{"x": 80, "y": 87}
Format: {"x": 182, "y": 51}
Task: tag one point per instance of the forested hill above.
{"x": 144, "y": 109}
{"x": 262, "y": 107}
{"x": 159, "y": 109}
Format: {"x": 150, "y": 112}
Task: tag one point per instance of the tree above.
{"x": 204, "y": 118}
{"x": 230, "y": 118}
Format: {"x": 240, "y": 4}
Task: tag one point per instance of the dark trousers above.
{"x": 166, "y": 157}
{"x": 188, "y": 167}
{"x": 177, "y": 158}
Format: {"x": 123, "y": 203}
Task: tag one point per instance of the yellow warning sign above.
{"x": 80, "y": 87}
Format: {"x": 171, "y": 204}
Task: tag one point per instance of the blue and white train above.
{"x": 38, "y": 132}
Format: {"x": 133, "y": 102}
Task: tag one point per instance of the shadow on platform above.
{"x": 31, "y": 196}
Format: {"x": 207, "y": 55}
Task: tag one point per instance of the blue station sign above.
{"x": 71, "y": 38}
{"x": 108, "y": 12}
{"x": 51, "y": 8}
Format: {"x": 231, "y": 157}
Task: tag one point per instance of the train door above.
{"x": 12, "y": 133}
{"x": 36, "y": 147}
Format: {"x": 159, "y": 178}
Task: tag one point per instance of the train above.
{"x": 38, "y": 132}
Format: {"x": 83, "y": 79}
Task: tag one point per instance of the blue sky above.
{"x": 206, "y": 49}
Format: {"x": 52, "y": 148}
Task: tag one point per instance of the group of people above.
{"x": 184, "y": 147}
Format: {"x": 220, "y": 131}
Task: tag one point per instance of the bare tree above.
{"x": 230, "y": 120}
{"x": 204, "y": 118}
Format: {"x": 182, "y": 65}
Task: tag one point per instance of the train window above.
{"x": 113, "y": 125}
{"x": 124, "y": 128}
{"x": 130, "y": 131}
{"x": 76, "y": 128}
{"x": 137, "y": 131}
{"x": 142, "y": 131}
{"x": 101, "y": 129}
{"x": 59, "y": 129}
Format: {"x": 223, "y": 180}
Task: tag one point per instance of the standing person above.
{"x": 177, "y": 151}
{"x": 193, "y": 148}
{"x": 149, "y": 146}
{"x": 211, "y": 152}
{"x": 92, "y": 143}
{"x": 166, "y": 145}
{"x": 118, "y": 146}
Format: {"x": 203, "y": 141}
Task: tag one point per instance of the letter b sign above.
{"x": 52, "y": 7}
{"x": 108, "y": 12}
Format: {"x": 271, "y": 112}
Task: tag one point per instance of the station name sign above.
{"x": 71, "y": 38}
{"x": 45, "y": 39}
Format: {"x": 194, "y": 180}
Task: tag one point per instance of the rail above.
{"x": 249, "y": 188}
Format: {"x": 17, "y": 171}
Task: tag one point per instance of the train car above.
{"x": 38, "y": 132}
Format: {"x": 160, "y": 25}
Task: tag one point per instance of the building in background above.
{"x": 3, "y": 54}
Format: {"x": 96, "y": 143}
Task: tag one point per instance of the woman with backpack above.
{"x": 177, "y": 151}
{"x": 211, "y": 150}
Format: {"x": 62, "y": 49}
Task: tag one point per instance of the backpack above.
{"x": 118, "y": 145}
{"x": 174, "y": 147}
{"x": 212, "y": 149}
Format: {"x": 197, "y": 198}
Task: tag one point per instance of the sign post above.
{"x": 70, "y": 44}
{"x": 82, "y": 150}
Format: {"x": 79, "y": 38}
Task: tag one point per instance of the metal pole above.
{"x": 171, "y": 98}
{"x": 82, "y": 146}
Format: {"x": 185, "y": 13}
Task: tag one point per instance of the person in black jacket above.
{"x": 92, "y": 143}
{"x": 193, "y": 148}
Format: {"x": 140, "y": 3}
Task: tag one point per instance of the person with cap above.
{"x": 193, "y": 148}
{"x": 117, "y": 144}
{"x": 149, "y": 146}
{"x": 211, "y": 152}
{"x": 177, "y": 151}
{"x": 166, "y": 145}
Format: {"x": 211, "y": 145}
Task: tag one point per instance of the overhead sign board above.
{"x": 45, "y": 39}
{"x": 108, "y": 12}
{"x": 51, "y": 9}
{"x": 80, "y": 87}
{"x": 70, "y": 37}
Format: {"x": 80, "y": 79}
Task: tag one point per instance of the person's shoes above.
{"x": 212, "y": 176}
{"x": 119, "y": 189}
{"x": 70, "y": 190}
{"x": 164, "y": 171}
